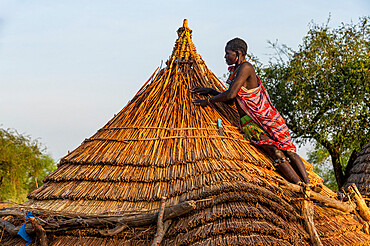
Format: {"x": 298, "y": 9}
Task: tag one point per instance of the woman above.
{"x": 260, "y": 121}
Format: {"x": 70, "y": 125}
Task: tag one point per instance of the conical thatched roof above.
{"x": 159, "y": 145}
{"x": 360, "y": 172}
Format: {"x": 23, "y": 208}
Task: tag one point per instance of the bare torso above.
{"x": 246, "y": 73}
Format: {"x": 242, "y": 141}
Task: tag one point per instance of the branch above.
{"x": 310, "y": 128}
{"x": 40, "y": 232}
{"x": 294, "y": 125}
{"x": 114, "y": 231}
{"x": 316, "y": 118}
{"x": 361, "y": 205}
{"x": 307, "y": 214}
{"x": 158, "y": 239}
{"x": 14, "y": 213}
{"x": 342, "y": 206}
{"x": 335, "y": 156}
{"x": 161, "y": 230}
{"x": 324, "y": 142}
{"x": 9, "y": 227}
{"x": 343, "y": 131}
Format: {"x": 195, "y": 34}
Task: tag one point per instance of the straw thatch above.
{"x": 161, "y": 145}
{"x": 360, "y": 172}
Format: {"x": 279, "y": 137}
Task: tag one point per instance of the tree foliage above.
{"x": 322, "y": 166}
{"x": 22, "y": 164}
{"x": 323, "y": 89}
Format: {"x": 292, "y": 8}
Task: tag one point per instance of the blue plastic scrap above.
{"x": 22, "y": 232}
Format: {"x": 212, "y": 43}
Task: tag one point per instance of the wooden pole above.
{"x": 360, "y": 202}
{"x": 37, "y": 185}
{"x": 307, "y": 215}
{"x": 40, "y": 232}
{"x": 161, "y": 228}
{"x": 159, "y": 235}
{"x": 9, "y": 227}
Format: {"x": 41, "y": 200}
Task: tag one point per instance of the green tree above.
{"x": 322, "y": 166}
{"x": 22, "y": 164}
{"x": 323, "y": 90}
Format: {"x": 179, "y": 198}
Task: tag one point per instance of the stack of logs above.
{"x": 164, "y": 216}
{"x": 40, "y": 227}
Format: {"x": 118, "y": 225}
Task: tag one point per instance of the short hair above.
{"x": 237, "y": 44}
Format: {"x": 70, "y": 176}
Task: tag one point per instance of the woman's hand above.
{"x": 200, "y": 102}
{"x": 204, "y": 91}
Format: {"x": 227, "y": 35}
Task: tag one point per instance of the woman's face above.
{"x": 230, "y": 56}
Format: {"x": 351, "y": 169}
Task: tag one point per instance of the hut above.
{"x": 166, "y": 172}
{"x": 360, "y": 173}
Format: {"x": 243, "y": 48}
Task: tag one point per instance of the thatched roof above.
{"x": 360, "y": 172}
{"x": 160, "y": 144}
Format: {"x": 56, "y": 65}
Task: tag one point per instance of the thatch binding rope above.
{"x": 163, "y": 128}
{"x": 127, "y": 140}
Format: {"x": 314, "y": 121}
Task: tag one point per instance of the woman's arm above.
{"x": 234, "y": 88}
{"x": 204, "y": 91}
{"x": 240, "y": 80}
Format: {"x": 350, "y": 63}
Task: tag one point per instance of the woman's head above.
{"x": 235, "y": 51}
{"x": 237, "y": 44}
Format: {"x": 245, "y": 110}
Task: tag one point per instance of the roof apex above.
{"x": 185, "y": 23}
{"x": 184, "y": 48}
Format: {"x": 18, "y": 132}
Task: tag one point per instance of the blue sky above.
{"x": 66, "y": 67}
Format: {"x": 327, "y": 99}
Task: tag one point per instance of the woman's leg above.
{"x": 297, "y": 163}
{"x": 281, "y": 162}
